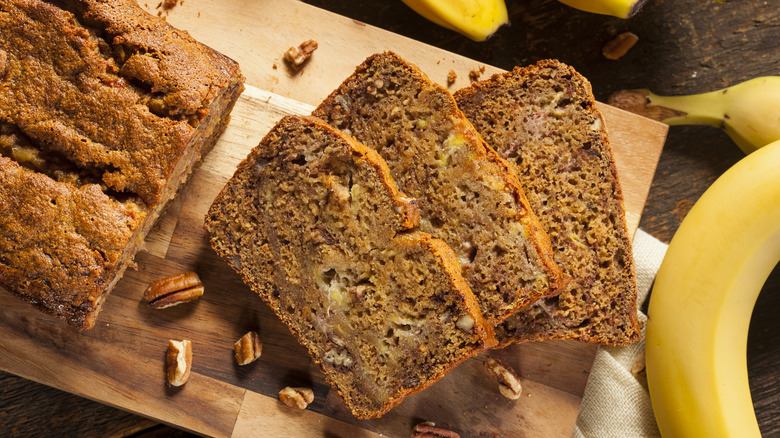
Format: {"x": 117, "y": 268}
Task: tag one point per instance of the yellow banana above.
{"x": 617, "y": 8}
{"x": 748, "y": 112}
{"x": 477, "y": 19}
{"x": 703, "y": 298}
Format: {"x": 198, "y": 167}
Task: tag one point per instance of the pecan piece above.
{"x": 296, "y": 56}
{"x": 508, "y": 382}
{"x": 296, "y": 397}
{"x": 429, "y": 430}
{"x": 174, "y": 290}
{"x": 248, "y": 348}
{"x": 179, "y": 361}
{"x": 619, "y": 46}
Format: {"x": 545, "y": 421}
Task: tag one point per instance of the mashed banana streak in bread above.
{"x": 104, "y": 111}
{"x": 315, "y": 225}
{"x": 544, "y": 121}
{"x": 468, "y": 196}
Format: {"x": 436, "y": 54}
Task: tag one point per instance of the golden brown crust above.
{"x": 313, "y": 222}
{"x": 550, "y": 129}
{"x": 473, "y": 202}
{"x": 104, "y": 109}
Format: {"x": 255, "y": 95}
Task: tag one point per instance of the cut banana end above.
{"x": 703, "y": 298}
{"x": 476, "y": 19}
{"x": 616, "y": 8}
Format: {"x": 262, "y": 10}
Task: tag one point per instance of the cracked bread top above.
{"x": 99, "y": 104}
{"x": 468, "y": 196}
{"x": 106, "y": 88}
{"x": 314, "y": 223}
{"x": 544, "y": 121}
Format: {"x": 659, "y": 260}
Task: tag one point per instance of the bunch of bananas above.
{"x": 479, "y": 19}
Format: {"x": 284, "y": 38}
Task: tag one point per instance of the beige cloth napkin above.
{"x": 616, "y": 402}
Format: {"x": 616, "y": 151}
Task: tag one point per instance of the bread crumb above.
{"x": 451, "y": 77}
{"x": 476, "y": 73}
{"x": 168, "y": 4}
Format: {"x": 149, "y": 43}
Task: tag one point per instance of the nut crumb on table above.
{"x": 296, "y": 397}
{"x": 428, "y": 429}
{"x": 174, "y": 290}
{"x": 617, "y": 47}
{"x": 508, "y": 382}
{"x": 248, "y": 349}
{"x": 179, "y": 362}
{"x": 297, "y": 56}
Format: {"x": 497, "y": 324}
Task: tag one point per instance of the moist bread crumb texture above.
{"x": 467, "y": 195}
{"x": 104, "y": 111}
{"x": 544, "y": 121}
{"x": 314, "y": 223}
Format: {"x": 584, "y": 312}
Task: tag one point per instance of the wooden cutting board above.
{"x": 121, "y": 361}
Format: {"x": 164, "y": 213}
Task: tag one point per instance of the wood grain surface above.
{"x": 685, "y": 46}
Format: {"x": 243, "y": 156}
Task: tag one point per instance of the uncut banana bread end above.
{"x": 104, "y": 112}
{"x": 543, "y": 119}
{"x": 467, "y": 195}
{"x": 315, "y": 225}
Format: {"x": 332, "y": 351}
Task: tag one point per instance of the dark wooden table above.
{"x": 685, "y": 46}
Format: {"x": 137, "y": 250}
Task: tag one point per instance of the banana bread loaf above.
{"x": 315, "y": 225}
{"x": 104, "y": 111}
{"x": 543, "y": 119}
{"x": 467, "y": 195}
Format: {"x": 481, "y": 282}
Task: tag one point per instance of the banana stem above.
{"x": 615, "y": 8}
{"x": 698, "y": 109}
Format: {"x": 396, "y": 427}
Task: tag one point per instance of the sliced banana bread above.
{"x": 543, "y": 119}
{"x": 315, "y": 225}
{"x": 467, "y": 195}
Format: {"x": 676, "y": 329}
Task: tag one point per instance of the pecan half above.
{"x": 296, "y": 56}
{"x": 179, "y": 361}
{"x": 248, "y": 348}
{"x": 296, "y": 397}
{"x": 429, "y": 430}
{"x": 508, "y": 382}
{"x": 174, "y": 290}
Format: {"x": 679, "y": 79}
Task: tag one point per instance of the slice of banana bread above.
{"x": 467, "y": 195}
{"x": 104, "y": 111}
{"x": 315, "y": 225}
{"x": 543, "y": 119}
